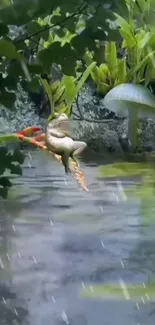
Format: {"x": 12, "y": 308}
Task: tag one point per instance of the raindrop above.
{"x": 1, "y": 263}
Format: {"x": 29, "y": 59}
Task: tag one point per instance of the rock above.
{"x": 22, "y": 115}
{"x": 99, "y": 136}
{"x": 106, "y": 135}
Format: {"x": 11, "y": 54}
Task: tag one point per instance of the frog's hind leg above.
{"x": 65, "y": 161}
{"x": 77, "y": 148}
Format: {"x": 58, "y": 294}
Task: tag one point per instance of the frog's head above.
{"x": 60, "y": 117}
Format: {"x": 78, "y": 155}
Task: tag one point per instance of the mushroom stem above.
{"x": 132, "y": 128}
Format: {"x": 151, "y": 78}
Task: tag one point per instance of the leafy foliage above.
{"x": 132, "y": 60}
{"x": 49, "y": 34}
{"x": 111, "y": 73}
{"x": 62, "y": 94}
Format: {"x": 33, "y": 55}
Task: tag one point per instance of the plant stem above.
{"x": 132, "y": 127}
{"x": 19, "y": 137}
{"x": 9, "y": 137}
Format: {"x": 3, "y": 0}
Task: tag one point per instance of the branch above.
{"x": 80, "y": 117}
{"x": 95, "y": 121}
{"x": 78, "y": 107}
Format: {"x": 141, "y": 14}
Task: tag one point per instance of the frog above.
{"x": 60, "y": 142}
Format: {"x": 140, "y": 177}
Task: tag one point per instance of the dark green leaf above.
{"x": 67, "y": 60}
{"x": 7, "y": 49}
{"x": 18, "y": 156}
{"x": 4, "y": 181}
{"x": 15, "y": 169}
{"x": 3, "y": 192}
{"x": 7, "y": 99}
{"x": 34, "y": 27}
{"x": 15, "y": 70}
{"x": 3, "y": 151}
{"x": 44, "y": 57}
{"x": 10, "y": 82}
{"x": 3, "y": 29}
{"x": 34, "y": 86}
{"x": 35, "y": 68}
{"x": 2, "y": 169}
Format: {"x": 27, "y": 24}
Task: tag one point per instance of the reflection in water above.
{"x": 56, "y": 240}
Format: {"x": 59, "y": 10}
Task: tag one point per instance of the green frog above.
{"x": 59, "y": 140}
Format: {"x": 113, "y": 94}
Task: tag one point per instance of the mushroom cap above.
{"x": 130, "y": 96}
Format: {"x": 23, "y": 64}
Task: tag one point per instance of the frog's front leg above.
{"x": 57, "y": 134}
{"x": 78, "y": 147}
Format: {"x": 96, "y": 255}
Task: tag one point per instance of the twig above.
{"x": 78, "y": 107}
{"x": 75, "y": 114}
{"x": 82, "y": 118}
{"x": 97, "y": 121}
{"x": 79, "y": 10}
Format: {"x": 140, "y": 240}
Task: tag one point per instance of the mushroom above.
{"x": 132, "y": 101}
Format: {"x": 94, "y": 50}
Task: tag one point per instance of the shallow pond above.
{"x": 56, "y": 241}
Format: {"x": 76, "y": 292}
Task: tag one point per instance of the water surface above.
{"x": 56, "y": 239}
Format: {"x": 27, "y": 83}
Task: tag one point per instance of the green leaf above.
{"x": 111, "y": 54}
{"x": 67, "y": 60}
{"x": 58, "y": 94}
{"x": 143, "y": 62}
{"x": 18, "y": 156}
{"x": 15, "y": 70}
{"x": 48, "y": 92}
{"x": 126, "y": 30}
{"x": 123, "y": 169}
{"x": 122, "y": 71}
{"x": 3, "y": 29}
{"x": 143, "y": 39}
{"x": 7, "y": 49}
{"x": 10, "y": 82}
{"x": 7, "y": 99}
{"x": 63, "y": 109}
{"x": 102, "y": 72}
{"x": 33, "y": 27}
{"x": 34, "y": 85}
{"x": 4, "y": 181}
{"x": 35, "y": 68}
{"x": 3, "y": 151}
{"x": 85, "y": 76}
{"x": 44, "y": 56}
{"x": 123, "y": 24}
{"x": 148, "y": 73}
{"x": 54, "y": 86}
{"x": 70, "y": 90}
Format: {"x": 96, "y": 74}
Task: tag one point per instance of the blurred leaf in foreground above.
{"x": 117, "y": 291}
{"x": 124, "y": 169}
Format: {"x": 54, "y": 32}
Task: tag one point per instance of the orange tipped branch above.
{"x": 29, "y": 131}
